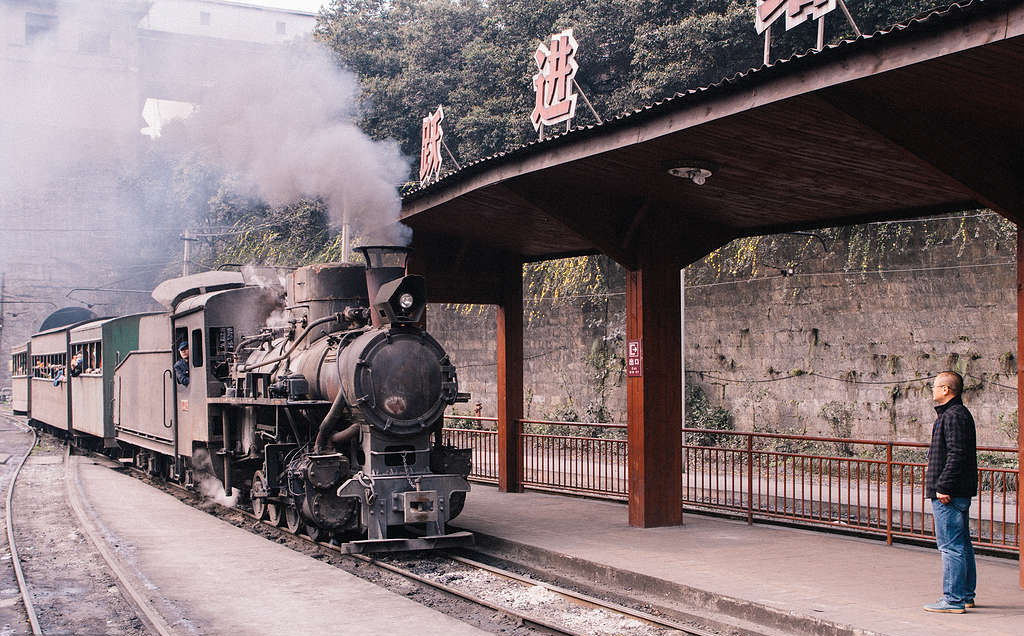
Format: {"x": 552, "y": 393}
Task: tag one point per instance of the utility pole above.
{"x": 187, "y": 237}
{"x": 3, "y": 290}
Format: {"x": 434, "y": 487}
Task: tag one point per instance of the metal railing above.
{"x": 845, "y": 484}
{"x": 853, "y": 484}
{"x": 479, "y": 434}
{"x": 559, "y": 461}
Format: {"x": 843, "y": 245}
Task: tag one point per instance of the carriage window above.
{"x": 197, "y": 347}
{"x": 90, "y": 353}
{"x": 47, "y": 366}
{"x": 19, "y": 364}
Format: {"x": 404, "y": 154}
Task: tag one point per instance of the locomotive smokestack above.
{"x": 384, "y": 263}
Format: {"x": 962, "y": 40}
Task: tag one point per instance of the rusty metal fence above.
{"x": 845, "y": 484}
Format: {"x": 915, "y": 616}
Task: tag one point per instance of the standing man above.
{"x": 181, "y": 365}
{"x": 952, "y": 480}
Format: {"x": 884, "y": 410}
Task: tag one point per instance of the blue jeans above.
{"x": 953, "y": 538}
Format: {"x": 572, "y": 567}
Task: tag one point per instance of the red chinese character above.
{"x": 796, "y": 12}
{"x": 556, "y": 100}
{"x": 430, "y": 148}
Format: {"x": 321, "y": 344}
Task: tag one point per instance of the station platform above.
{"x": 790, "y": 581}
{"x": 209, "y": 577}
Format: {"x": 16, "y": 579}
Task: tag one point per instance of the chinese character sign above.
{"x": 796, "y": 12}
{"x": 556, "y": 100}
{"x": 634, "y": 359}
{"x": 430, "y": 148}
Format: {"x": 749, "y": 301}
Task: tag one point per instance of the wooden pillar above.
{"x": 654, "y": 399}
{"x": 510, "y": 378}
{"x": 1020, "y": 402}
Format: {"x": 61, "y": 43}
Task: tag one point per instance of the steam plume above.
{"x": 284, "y": 120}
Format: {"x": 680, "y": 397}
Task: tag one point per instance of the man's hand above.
{"x": 942, "y": 498}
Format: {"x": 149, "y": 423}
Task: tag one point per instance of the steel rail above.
{"x": 525, "y": 617}
{"x": 583, "y": 598}
{"x": 26, "y": 597}
{"x": 146, "y": 612}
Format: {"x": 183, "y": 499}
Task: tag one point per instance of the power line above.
{"x": 852, "y": 273}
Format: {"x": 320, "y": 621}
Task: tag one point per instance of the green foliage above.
{"x": 701, "y": 413}
{"x": 840, "y": 423}
{"x": 476, "y": 57}
{"x": 854, "y": 249}
{"x": 586, "y": 280}
{"x": 1008, "y": 425}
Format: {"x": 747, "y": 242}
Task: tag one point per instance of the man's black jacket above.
{"x": 953, "y": 455}
{"x": 181, "y": 371}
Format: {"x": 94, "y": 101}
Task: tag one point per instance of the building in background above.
{"x": 81, "y": 79}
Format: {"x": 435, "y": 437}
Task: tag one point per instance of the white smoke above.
{"x": 207, "y": 482}
{"x": 284, "y": 119}
{"x": 86, "y": 200}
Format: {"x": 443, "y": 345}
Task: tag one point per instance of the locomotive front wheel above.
{"x": 256, "y": 495}
{"x": 315, "y": 532}
{"x": 274, "y": 513}
{"x": 292, "y": 521}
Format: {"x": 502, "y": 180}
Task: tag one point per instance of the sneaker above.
{"x": 945, "y": 608}
{"x": 969, "y": 604}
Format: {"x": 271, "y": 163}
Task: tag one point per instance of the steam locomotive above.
{"x": 319, "y": 396}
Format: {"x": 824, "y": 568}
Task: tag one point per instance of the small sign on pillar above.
{"x": 634, "y": 359}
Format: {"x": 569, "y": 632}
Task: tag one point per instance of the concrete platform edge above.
{"x": 691, "y": 597}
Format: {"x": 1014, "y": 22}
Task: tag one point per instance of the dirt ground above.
{"x": 73, "y": 590}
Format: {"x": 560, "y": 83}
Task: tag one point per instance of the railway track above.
{"x": 133, "y": 594}
{"x": 26, "y": 596}
{"x": 547, "y": 593}
{"x": 561, "y": 611}
{"x": 515, "y": 585}
{"x": 144, "y": 608}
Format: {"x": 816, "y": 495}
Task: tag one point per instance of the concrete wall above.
{"x": 563, "y": 343}
{"x": 816, "y": 352}
{"x": 778, "y": 352}
{"x": 228, "y": 20}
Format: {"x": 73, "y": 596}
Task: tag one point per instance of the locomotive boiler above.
{"x": 350, "y": 340}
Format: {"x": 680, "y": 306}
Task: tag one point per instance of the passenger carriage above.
{"x": 50, "y": 390}
{"x": 101, "y": 345}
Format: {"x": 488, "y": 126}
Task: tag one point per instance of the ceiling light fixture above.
{"x": 697, "y": 172}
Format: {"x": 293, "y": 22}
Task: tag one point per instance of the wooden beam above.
{"x": 586, "y": 212}
{"x": 1020, "y": 401}
{"x": 510, "y": 378}
{"x": 984, "y": 162}
{"x": 654, "y": 400}
{"x": 455, "y": 271}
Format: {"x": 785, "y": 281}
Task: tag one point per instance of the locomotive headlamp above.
{"x": 402, "y": 300}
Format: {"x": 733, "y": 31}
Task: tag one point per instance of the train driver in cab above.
{"x": 181, "y": 366}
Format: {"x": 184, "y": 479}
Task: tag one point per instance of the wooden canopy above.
{"x": 923, "y": 118}
{"x": 919, "y": 119}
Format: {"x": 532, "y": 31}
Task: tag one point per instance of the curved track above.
{"x": 153, "y": 620}
{"x": 26, "y": 597}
